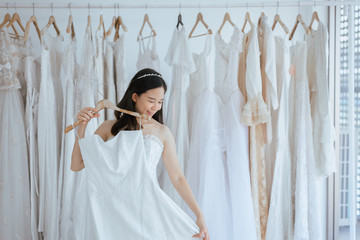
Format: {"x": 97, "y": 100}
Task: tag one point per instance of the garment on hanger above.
{"x": 124, "y": 195}
{"x": 254, "y": 113}
{"x": 49, "y": 126}
{"x": 14, "y": 171}
{"x": 305, "y": 182}
{"x": 32, "y": 75}
{"x": 324, "y": 131}
{"x": 179, "y": 57}
{"x": 148, "y": 57}
{"x": 280, "y": 220}
{"x": 67, "y": 177}
{"x": 236, "y": 136}
{"x": 120, "y": 72}
{"x": 206, "y": 171}
{"x": 99, "y": 70}
{"x": 110, "y": 88}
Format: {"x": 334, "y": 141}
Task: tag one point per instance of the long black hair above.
{"x": 143, "y": 80}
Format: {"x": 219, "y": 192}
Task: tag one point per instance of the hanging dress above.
{"x": 49, "y": 127}
{"x": 236, "y": 136}
{"x": 148, "y": 57}
{"x": 99, "y": 71}
{"x": 32, "y": 75}
{"x": 68, "y": 178}
{"x": 254, "y": 113}
{"x": 120, "y": 72}
{"x": 280, "y": 220}
{"x": 179, "y": 57}
{"x": 86, "y": 97}
{"x": 124, "y": 195}
{"x": 306, "y": 185}
{"x": 110, "y": 88}
{"x": 14, "y": 172}
{"x": 324, "y": 131}
{"x": 206, "y": 171}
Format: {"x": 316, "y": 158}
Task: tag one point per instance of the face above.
{"x": 150, "y": 101}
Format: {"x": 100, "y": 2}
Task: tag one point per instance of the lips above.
{"x": 149, "y": 113}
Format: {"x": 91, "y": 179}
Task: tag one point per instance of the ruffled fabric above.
{"x": 255, "y": 111}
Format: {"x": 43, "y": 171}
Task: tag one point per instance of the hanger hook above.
{"x": 146, "y": 7}
{"x": 15, "y": 7}
{"x": 277, "y": 7}
{"x": 180, "y": 8}
{"x": 70, "y": 8}
{"x": 101, "y": 9}
{"x": 247, "y": 6}
{"x": 33, "y": 9}
{"x": 262, "y": 5}
{"x": 52, "y": 10}
{"x": 314, "y": 4}
{"x": 7, "y": 6}
{"x": 89, "y": 8}
{"x": 118, "y": 9}
{"x": 199, "y": 7}
{"x": 299, "y": 6}
{"x": 227, "y": 5}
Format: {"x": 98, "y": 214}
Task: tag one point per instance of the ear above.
{"x": 134, "y": 97}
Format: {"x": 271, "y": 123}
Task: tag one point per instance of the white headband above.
{"x": 150, "y": 74}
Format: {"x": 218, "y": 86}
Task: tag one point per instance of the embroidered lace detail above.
{"x": 255, "y": 111}
{"x": 153, "y": 149}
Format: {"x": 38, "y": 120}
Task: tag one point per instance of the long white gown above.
{"x": 99, "y": 71}
{"x": 68, "y": 178}
{"x": 206, "y": 170}
{"x": 179, "y": 57}
{"x": 110, "y": 88}
{"x": 236, "y": 136}
{"x": 14, "y": 171}
{"x": 120, "y": 72}
{"x": 324, "y": 131}
{"x": 49, "y": 126}
{"x": 124, "y": 195}
{"x": 280, "y": 220}
{"x": 32, "y": 75}
{"x": 306, "y": 186}
{"x": 148, "y": 57}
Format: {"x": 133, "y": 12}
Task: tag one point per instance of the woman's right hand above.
{"x": 86, "y": 114}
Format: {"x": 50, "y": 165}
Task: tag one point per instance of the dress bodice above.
{"x": 153, "y": 150}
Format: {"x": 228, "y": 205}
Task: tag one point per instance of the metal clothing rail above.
{"x": 180, "y": 5}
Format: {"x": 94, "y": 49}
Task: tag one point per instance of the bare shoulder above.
{"x": 165, "y": 134}
{"x": 104, "y": 130}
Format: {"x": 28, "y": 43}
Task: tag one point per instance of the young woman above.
{"x": 137, "y": 205}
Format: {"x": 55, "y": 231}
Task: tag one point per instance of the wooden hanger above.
{"x": 105, "y": 103}
{"x": 119, "y": 23}
{"x": 146, "y": 20}
{"x": 51, "y": 22}
{"x": 27, "y": 29}
{"x": 7, "y": 19}
{"x": 226, "y": 19}
{"x": 261, "y": 15}
{"x": 247, "y": 20}
{"x": 112, "y": 26}
{"x": 15, "y": 18}
{"x": 200, "y": 18}
{"x": 277, "y": 19}
{"x": 70, "y": 27}
{"x": 313, "y": 18}
{"x": 102, "y": 25}
{"x": 299, "y": 19}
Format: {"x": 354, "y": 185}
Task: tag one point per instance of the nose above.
{"x": 156, "y": 106}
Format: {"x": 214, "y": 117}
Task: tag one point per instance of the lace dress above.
{"x": 179, "y": 57}
{"x": 280, "y": 220}
{"x": 123, "y": 192}
{"x": 148, "y": 57}
{"x": 14, "y": 171}
{"x": 235, "y": 137}
{"x": 305, "y": 183}
{"x": 324, "y": 131}
{"x": 120, "y": 72}
{"x": 110, "y": 89}
{"x": 99, "y": 71}
{"x": 49, "y": 128}
{"x": 253, "y": 114}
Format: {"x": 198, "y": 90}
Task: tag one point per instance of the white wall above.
{"x": 164, "y": 21}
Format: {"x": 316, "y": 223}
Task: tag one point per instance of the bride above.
{"x": 124, "y": 197}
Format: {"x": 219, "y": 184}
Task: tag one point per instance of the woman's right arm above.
{"x": 85, "y": 115}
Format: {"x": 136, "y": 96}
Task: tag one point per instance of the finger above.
{"x": 94, "y": 110}
{"x": 85, "y": 116}
{"x": 207, "y": 237}
{"x": 200, "y": 234}
{"x": 96, "y": 115}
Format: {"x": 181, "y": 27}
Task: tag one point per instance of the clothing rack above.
{"x": 224, "y": 4}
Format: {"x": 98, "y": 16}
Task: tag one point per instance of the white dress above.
{"x": 110, "y": 88}
{"x": 206, "y": 171}
{"x": 236, "y": 136}
{"x": 280, "y": 220}
{"x": 120, "y": 72}
{"x": 67, "y": 177}
{"x": 324, "y": 131}
{"x": 49, "y": 128}
{"x": 306, "y": 186}
{"x": 99, "y": 71}
{"x": 179, "y": 57}
{"x": 148, "y": 57}
{"x": 14, "y": 171}
{"x": 32, "y": 75}
{"x": 124, "y": 195}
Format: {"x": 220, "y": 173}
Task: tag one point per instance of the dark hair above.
{"x": 143, "y": 80}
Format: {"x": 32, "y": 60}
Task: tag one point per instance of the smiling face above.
{"x": 150, "y": 101}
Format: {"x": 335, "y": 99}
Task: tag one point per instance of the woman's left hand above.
{"x": 203, "y": 234}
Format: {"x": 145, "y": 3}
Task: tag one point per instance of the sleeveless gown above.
{"x": 123, "y": 192}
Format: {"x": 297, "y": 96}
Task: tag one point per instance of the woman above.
{"x": 146, "y": 212}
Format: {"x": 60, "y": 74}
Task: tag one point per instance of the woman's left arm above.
{"x": 179, "y": 181}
